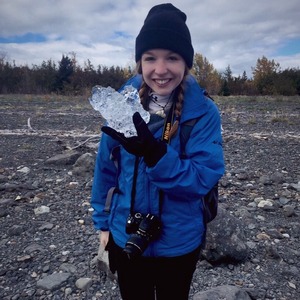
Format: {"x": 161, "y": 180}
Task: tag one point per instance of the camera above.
{"x": 133, "y": 223}
{"x": 143, "y": 230}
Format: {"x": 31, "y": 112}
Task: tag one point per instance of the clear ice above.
{"x": 117, "y": 108}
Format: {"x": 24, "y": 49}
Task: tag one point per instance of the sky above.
{"x": 231, "y": 33}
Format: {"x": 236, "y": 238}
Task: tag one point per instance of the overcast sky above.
{"x": 231, "y": 32}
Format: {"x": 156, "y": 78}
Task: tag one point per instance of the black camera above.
{"x": 143, "y": 230}
{"x": 133, "y": 222}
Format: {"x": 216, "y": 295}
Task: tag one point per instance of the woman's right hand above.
{"x": 104, "y": 237}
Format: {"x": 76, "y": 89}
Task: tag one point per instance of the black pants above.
{"x": 154, "y": 278}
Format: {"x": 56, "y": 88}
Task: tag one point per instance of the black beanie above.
{"x": 165, "y": 28}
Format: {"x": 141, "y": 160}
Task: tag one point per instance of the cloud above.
{"x": 231, "y": 32}
{"x": 99, "y": 53}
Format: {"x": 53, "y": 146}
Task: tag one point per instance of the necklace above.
{"x": 155, "y": 98}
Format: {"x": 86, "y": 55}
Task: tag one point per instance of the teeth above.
{"x": 163, "y": 81}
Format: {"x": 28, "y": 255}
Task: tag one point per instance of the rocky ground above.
{"x": 48, "y": 245}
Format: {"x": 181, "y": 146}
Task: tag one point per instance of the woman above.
{"x": 155, "y": 226}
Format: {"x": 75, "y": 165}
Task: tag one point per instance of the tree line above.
{"x": 69, "y": 78}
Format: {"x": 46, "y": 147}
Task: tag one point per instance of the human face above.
{"x": 162, "y": 70}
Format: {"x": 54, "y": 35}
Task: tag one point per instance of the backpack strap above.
{"x": 187, "y": 127}
{"x": 185, "y": 132}
{"x": 109, "y": 196}
{"x": 115, "y": 157}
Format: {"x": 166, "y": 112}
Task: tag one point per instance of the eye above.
{"x": 148, "y": 58}
{"x": 174, "y": 57}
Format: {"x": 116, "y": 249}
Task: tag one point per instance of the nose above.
{"x": 161, "y": 67}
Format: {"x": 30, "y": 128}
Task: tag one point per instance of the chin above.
{"x": 163, "y": 91}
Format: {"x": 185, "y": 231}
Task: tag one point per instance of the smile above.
{"x": 162, "y": 81}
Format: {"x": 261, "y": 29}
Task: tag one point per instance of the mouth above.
{"x": 162, "y": 82}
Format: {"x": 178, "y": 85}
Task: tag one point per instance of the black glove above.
{"x": 144, "y": 144}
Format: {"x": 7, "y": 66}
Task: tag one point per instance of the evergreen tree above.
{"x": 64, "y": 73}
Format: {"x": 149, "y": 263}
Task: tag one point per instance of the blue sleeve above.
{"x": 193, "y": 177}
{"x": 105, "y": 173}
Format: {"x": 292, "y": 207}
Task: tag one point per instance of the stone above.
{"x": 68, "y": 158}
{"x": 226, "y": 239}
{"x": 53, "y": 281}
{"x": 42, "y": 210}
{"x": 84, "y": 283}
{"x": 225, "y": 292}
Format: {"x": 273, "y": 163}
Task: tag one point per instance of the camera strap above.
{"x": 166, "y": 138}
{"x": 133, "y": 189}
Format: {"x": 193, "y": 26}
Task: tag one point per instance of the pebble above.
{"x": 84, "y": 283}
{"x": 264, "y": 203}
{"x": 42, "y": 210}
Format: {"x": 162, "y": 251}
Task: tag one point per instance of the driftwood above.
{"x": 29, "y": 125}
{"x": 87, "y": 140}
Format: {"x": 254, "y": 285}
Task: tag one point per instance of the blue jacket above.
{"x": 184, "y": 181}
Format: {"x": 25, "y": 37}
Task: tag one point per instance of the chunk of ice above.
{"x": 117, "y": 108}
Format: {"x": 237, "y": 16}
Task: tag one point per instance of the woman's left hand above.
{"x": 144, "y": 144}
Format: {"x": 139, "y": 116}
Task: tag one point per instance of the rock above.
{"x": 102, "y": 262}
{"x": 266, "y": 180}
{"x": 3, "y": 212}
{"x": 31, "y": 248}
{"x": 68, "y": 291}
{"x": 13, "y": 187}
{"x": 226, "y": 239}
{"x": 46, "y": 226}
{"x": 242, "y": 175}
{"x": 68, "y": 158}
{"x": 24, "y": 170}
{"x": 83, "y": 283}
{"x": 225, "y": 292}
{"x": 15, "y": 230}
{"x": 289, "y": 211}
{"x": 272, "y": 252}
{"x": 3, "y": 178}
{"x": 84, "y": 165}
{"x": 53, "y": 281}
{"x": 277, "y": 177}
{"x": 263, "y": 237}
{"x": 24, "y": 258}
{"x": 7, "y": 202}
{"x": 42, "y": 210}
{"x": 295, "y": 186}
{"x": 283, "y": 200}
{"x": 265, "y": 203}
{"x": 68, "y": 268}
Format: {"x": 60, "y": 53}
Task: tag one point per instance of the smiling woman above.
{"x": 153, "y": 224}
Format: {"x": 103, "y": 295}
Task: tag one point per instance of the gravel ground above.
{"x": 261, "y": 143}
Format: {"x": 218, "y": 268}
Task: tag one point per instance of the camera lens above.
{"x": 149, "y": 229}
{"x": 135, "y": 246}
